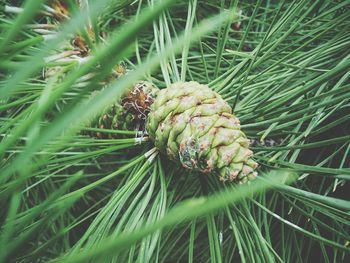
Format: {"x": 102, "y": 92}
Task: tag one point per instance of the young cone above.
{"x": 194, "y": 126}
{"x": 128, "y": 113}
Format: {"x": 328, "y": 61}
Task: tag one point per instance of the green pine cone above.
{"x": 113, "y": 117}
{"x": 193, "y": 125}
{"x": 128, "y": 113}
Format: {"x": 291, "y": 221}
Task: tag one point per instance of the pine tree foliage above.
{"x": 68, "y": 195}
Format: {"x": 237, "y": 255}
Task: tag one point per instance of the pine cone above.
{"x": 129, "y": 113}
{"x": 193, "y": 125}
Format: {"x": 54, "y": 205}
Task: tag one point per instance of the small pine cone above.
{"x": 128, "y": 113}
{"x": 193, "y": 125}
{"x": 61, "y": 8}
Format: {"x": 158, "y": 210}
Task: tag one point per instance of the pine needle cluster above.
{"x": 68, "y": 196}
